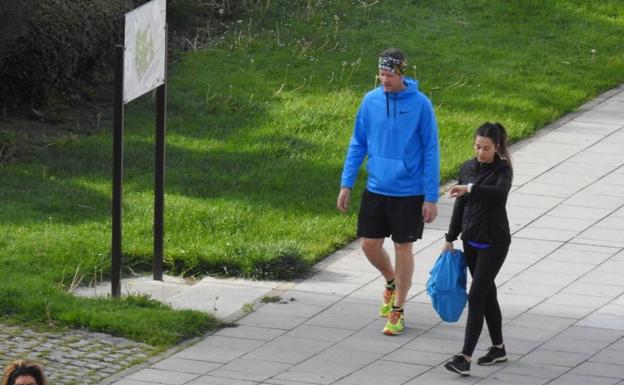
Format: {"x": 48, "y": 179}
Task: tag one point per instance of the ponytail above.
{"x": 503, "y": 149}
{"x": 497, "y": 133}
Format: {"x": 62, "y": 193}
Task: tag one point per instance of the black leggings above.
{"x": 484, "y": 265}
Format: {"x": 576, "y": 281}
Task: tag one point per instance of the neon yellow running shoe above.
{"x": 386, "y": 306}
{"x": 395, "y": 324}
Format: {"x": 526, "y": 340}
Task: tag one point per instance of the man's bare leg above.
{"x": 378, "y": 257}
{"x": 403, "y": 272}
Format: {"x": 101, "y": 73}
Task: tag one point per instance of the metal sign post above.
{"x": 159, "y": 182}
{"x": 118, "y": 128}
{"x": 159, "y": 177}
{"x": 140, "y": 66}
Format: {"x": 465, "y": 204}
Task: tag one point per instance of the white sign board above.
{"x": 144, "y": 54}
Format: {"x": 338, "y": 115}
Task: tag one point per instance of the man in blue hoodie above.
{"x": 396, "y": 129}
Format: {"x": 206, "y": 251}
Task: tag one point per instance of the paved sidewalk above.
{"x": 561, "y": 289}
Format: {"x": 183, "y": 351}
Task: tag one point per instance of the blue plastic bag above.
{"x": 447, "y": 285}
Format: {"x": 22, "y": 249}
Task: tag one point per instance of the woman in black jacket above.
{"x": 480, "y": 216}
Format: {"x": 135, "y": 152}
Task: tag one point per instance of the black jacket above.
{"x": 480, "y": 216}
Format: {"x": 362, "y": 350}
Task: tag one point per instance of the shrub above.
{"x": 58, "y": 41}
{"x": 50, "y": 46}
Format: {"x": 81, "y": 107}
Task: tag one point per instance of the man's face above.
{"x": 391, "y": 81}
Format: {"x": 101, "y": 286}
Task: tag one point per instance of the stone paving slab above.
{"x": 287, "y": 356}
{"x": 578, "y": 379}
{"x": 223, "y": 297}
{"x": 579, "y": 212}
{"x": 186, "y": 366}
{"x": 250, "y": 369}
{"x": 547, "y": 189}
{"x": 250, "y": 332}
{"x": 213, "y": 380}
{"x": 556, "y": 179}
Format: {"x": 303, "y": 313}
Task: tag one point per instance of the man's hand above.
{"x": 429, "y": 212}
{"x": 344, "y": 197}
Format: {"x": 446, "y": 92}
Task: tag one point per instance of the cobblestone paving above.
{"x": 72, "y": 357}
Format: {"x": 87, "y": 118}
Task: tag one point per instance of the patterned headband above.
{"x": 391, "y": 64}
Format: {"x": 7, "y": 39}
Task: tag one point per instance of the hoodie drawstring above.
{"x": 388, "y": 104}
{"x": 395, "y": 106}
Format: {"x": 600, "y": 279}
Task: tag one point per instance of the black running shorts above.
{"x": 381, "y": 216}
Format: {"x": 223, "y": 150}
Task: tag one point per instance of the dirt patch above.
{"x": 33, "y": 130}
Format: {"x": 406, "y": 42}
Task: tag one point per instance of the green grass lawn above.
{"x": 258, "y": 126}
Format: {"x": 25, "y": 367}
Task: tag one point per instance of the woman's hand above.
{"x": 458, "y": 190}
{"x": 448, "y": 246}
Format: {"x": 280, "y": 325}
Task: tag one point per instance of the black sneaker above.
{"x": 493, "y": 356}
{"x": 459, "y": 365}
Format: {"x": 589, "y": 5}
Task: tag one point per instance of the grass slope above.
{"x": 257, "y": 130}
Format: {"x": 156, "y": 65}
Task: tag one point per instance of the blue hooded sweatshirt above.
{"x": 399, "y": 133}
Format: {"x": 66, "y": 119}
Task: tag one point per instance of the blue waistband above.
{"x": 478, "y": 245}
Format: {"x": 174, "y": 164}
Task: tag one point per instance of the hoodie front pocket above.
{"x": 388, "y": 174}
